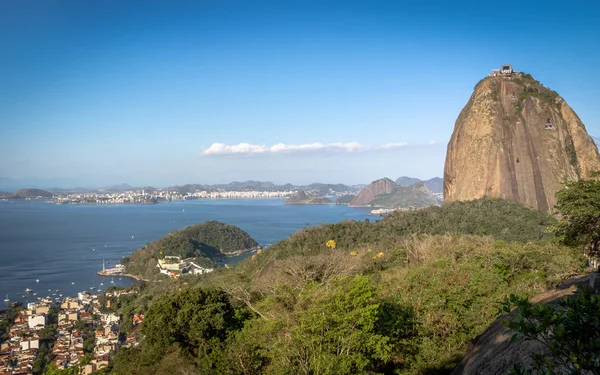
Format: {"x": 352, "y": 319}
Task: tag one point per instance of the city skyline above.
{"x": 102, "y": 93}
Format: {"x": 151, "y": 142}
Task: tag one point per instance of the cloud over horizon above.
{"x": 221, "y": 149}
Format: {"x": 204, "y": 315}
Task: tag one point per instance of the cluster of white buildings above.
{"x": 238, "y": 194}
{"x": 174, "y": 267}
{"x": 18, "y": 354}
{"x": 142, "y": 196}
{"x": 106, "y": 198}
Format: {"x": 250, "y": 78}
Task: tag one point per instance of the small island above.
{"x": 301, "y": 197}
{"x": 196, "y": 249}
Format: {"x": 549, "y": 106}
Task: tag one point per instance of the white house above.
{"x": 198, "y": 270}
{"x": 30, "y": 343}
{"x": 35, "y": 321}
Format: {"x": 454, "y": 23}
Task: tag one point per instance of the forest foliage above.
{"x": 405, "y": 294}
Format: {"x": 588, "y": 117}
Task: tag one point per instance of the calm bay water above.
{"x": 64, "y": 245}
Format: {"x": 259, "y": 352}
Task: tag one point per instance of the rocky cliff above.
{"x": 371, "y": 191}
{"x": 519, "y": 140}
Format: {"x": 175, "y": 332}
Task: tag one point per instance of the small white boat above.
{"x": 28, "y": 290}
{"x": 101, "y": 284}
{"x": 132, "y": 237}
{"x": 72, "y": 282}
{"x": 6, "y": 299}
{"x": 37, "y": 280}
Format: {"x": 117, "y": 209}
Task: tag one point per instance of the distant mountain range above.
{"x": 314, "y": 189}
{"x": 436, "y": 184}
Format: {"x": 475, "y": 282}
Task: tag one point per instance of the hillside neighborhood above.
{"x": 76, "y": 332}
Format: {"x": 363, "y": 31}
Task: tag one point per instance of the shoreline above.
{"x": 107, "y": 273}
{"x": 241, "y": 252}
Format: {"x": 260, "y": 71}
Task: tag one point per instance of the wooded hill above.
{"x": 205, "y": 242}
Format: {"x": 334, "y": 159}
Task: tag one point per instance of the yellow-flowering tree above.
{"x": 330, "y": 244}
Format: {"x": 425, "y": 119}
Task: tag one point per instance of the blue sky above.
{"x": 159, "y": 93}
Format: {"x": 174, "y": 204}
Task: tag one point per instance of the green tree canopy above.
{"x": 579, "y": 205}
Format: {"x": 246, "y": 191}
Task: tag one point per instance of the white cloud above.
{"x": 222, "y": 149}
{"x": 240, "y": 148}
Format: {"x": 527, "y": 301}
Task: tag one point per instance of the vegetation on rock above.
{"x": 569, "y": 332}
{"x": 579, "y": 206}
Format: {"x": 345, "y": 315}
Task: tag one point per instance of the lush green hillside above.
{"x": 501, "y": 219}
{"x": 411, "y": 308}
{"x": 205, "y": 242}
{"x": 402, "y": 295}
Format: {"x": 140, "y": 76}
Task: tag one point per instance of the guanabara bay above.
{"x": 276, "y": 187}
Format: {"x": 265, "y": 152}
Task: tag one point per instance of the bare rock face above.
{"x": 375, "y": 188}
{"x": 516, "y": 139}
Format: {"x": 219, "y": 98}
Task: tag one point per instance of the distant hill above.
{"x": 385, "y": 193}
{"x": 345, "y": 199}
{"x": 206, "y": 242}
{"x": 413, "y": 196}
{"x": 436, "y": 184}
{"x": 406, "y": 181}
{"x": 371, "y": 191}
{"x": 118, "y": 188}
{"x": 314, "y": 188}
{"x": 302, "y": 197}
{"x": 247, "y": 186}
{"x": 326, "y": 189}
{"x": 31, "y": 193}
